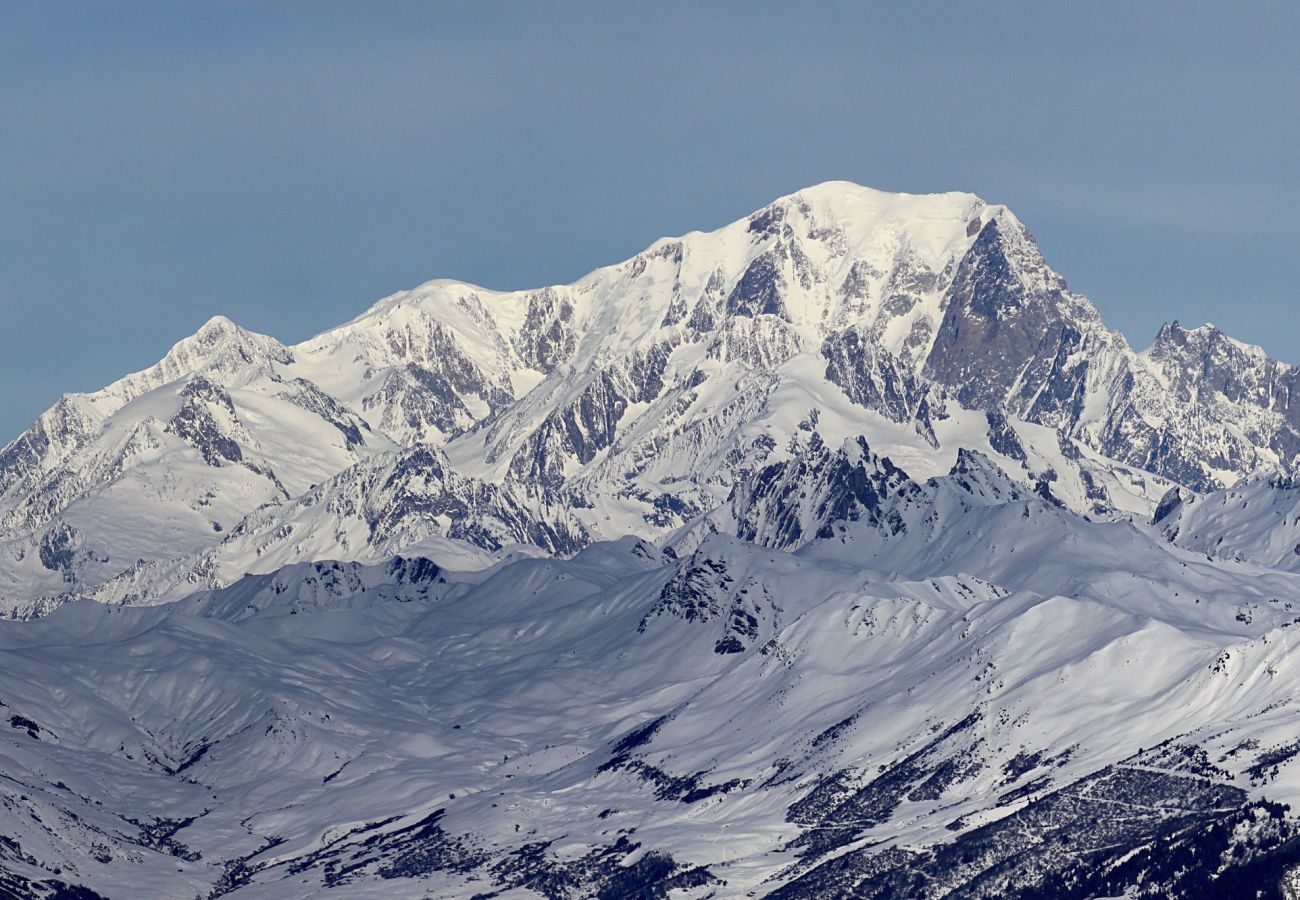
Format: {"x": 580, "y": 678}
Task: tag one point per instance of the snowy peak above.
{"x": 220, "y": 349}
{"x": 983, "y": 480}
{"x": 935, "y": 227}
{"x": 837, "y": 253}
{"x": 1206, "y": 359}
{"x": 423, "y": 365}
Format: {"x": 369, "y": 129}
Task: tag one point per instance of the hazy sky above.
{"x": 288, "y": 164}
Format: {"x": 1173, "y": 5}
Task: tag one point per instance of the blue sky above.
{"x": 287, "y": 164}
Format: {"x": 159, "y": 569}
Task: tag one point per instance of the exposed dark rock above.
{"x": 1003, "y": 438}
{"x": 196, "y": 424}
{"x": 1174, "y": 833}
{"x": 788, "y": 503}
{"x": 1172, "y": 499}
{"x": 547, "y": 338}
{"x": 872, "y": 377}
{"x": 759, "y": 291}
{"x": 600, "y": 873}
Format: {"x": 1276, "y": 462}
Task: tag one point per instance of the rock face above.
{"x": 787, "y": 504}
{"x": 1008, "y": 326}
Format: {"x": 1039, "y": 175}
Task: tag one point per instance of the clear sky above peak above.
{"x": 287, "y": 164}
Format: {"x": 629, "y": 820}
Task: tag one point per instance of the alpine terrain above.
{"x": 840, "y": 552}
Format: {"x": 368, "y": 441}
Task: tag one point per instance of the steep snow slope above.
{"x": 738, "y": 720}
{"x": 422, "y": 365}
{"x": 164, "y": 461}
{"x": 403, "y": 502}
{"x": 1257, "y": 521}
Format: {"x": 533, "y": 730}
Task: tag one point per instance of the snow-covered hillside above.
{"x": 842, "y": 551}
{"x": 732, "y": 721}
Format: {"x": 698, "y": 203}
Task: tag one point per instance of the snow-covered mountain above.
{"x": 842, "y": 551}
{"x": 638, "y": 395}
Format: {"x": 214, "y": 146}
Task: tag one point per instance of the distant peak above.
{"x": 217, "y": 325}
{"x": 848, "y": 191}
{"x": 1174, "y": 338}
{"x": 846, "y": 201}
{"x": 217, "y": 337}
{"x": 1177, "y": 327}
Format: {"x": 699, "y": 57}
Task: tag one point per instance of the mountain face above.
{"x": 842, "y": 551}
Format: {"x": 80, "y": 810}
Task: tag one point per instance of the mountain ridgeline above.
{"x": 631, "y": 401}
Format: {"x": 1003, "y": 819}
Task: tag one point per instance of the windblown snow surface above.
{"x": 840, "y": 552}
